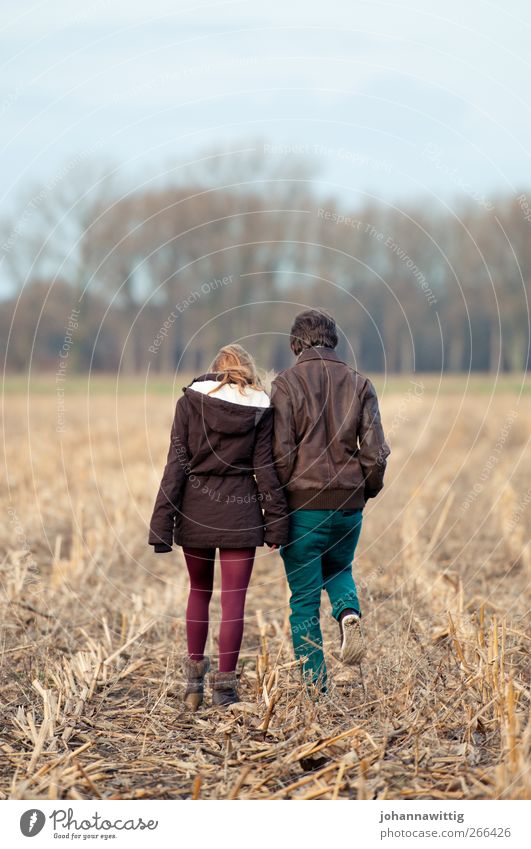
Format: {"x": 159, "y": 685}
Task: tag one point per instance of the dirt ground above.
{"x": 92, "y": 622}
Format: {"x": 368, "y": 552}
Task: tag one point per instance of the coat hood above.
{"x": 223, "y": 415}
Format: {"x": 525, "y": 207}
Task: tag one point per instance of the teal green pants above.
{"x": 317, "y": 557}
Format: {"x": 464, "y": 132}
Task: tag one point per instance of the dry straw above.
{"x": 92, "y": 635}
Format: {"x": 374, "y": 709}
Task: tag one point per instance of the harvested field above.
{"x": 92, "y": 623}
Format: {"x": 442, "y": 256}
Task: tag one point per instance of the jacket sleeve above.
{"x": 373, "y": 449}
{"x": 284, "y": 444}
{"x": 168, "y": 497}
{"x": 272, "y": 498}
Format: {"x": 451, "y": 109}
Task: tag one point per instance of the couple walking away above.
{"x": 293, "y": 471}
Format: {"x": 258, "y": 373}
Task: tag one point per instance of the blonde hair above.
{"x": 233, "y": 364}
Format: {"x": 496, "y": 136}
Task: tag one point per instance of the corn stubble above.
{"x": 93, "y": 628}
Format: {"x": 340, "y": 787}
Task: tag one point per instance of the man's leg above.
{"x": 302, "y": 561}
{"x": 337, "y": 562}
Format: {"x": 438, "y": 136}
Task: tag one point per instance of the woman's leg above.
{"x": 236, "y": 568}
{"x": 200, "y": 564}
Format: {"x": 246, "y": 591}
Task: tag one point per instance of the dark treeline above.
{"x": 163, "y": 276}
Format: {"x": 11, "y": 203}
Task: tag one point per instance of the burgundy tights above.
{"x": 236, "y": 568}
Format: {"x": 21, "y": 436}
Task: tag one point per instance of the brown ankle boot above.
{"x": 195, "y": 671}
{"x": 224, "y": 688}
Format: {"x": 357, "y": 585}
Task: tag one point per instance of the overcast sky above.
{"x": 394, "y": 98}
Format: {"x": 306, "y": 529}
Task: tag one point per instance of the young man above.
{"x": 330, "y": 455}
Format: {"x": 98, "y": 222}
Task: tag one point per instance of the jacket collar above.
{"x": 318, "y": 353}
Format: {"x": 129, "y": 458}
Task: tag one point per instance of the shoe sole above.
{"x": 226, "y": 703}
{"x": 352, "y": 647}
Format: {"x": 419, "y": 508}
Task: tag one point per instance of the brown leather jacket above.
{"x": 328, "y": 446}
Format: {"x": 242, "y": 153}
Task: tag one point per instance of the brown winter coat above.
{"x": 219, "y": 487}
{"x": 329, "y": 445}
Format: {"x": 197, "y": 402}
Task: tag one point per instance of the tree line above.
{"x": 161, "y": 276}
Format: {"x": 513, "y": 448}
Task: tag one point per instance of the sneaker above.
{"x": 352, "y": 649}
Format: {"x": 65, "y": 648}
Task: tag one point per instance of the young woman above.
{"x": 219, "y": 490}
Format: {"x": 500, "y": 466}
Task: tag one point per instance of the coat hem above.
{"x": 210, "y": 543}
{"x": 325, "y": 499}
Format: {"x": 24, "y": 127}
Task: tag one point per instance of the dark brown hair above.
{"x": 310, "y": 328}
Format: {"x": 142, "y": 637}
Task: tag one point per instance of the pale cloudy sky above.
{"x": 394, "y": 98}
